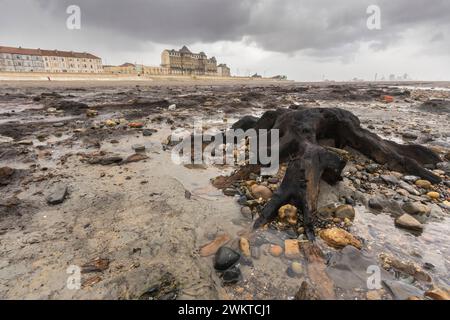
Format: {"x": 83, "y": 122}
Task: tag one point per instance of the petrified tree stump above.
{"x": 309, "y": 162}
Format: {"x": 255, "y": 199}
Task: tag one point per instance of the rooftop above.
{"x": 40, "y": 52}
{"x": 127, "y": 64}
{"x": 186, "y": 50}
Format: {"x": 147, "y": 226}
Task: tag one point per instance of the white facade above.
{"x": 72, "y": 64}
{"x": 21, "y": 62}
{"x": 6, "y": 62}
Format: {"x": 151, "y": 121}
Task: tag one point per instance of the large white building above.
{"x": 54, "y": 61}
{"x": 184, "y": 61}
{"x": 223, "y": 70}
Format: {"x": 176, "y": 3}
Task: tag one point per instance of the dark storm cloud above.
{"x": 163, "y": 21}
{"x": 328, "y": 27}
{"x": 316, "y": 27}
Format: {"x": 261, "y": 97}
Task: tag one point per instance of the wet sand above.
{"x": 150, "y": 218}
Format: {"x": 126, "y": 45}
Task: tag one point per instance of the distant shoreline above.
{"x": 41, "y": 76}
{"x": 22, "y": 78}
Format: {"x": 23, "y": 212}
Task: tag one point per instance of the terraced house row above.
{"x": 54, "y": 61}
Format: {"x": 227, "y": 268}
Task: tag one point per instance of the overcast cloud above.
{"x": 305, "y": 39}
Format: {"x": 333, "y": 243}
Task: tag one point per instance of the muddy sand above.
{"x": 77, "y": 196}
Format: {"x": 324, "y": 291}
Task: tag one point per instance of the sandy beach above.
{"x": 132, "y": 221}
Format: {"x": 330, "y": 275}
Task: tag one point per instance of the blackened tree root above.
{"x": 299, "y": 132}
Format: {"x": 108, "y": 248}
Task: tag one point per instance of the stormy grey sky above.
{"x": 304, "y": 39}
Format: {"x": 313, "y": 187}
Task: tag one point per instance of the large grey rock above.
{"x": 386, "y": 204}
{"x": 328, "y": 194}
{"x": 390, "y": 179}
{"x": 230, "y": 192}
{"x": 58, "y": 195}
{"x": 231, "y": 276}
{"x": 402, "y": 291}
{"x": 409, "y": 135}
{"x": 407, "y": 221}
{"x": 5, "y": 175}
{"x": 444, "y": 166}
{"x": 408, "y": 188}
{"x": 247, "y": 212}
{"x": 148, "y": 132}
{"x": 138, "y": 147}
{"x": 436, "y": 106}
{"x": 348, "y": 268}
{"x": 416, "y": 208}
{"x": 376, "y": 203}
{"x": 345, "y": 211}
{"x": 106, "y": 160}
{"x": 411, "y": 179}
{"x": 327, "y": 212}
{"x": 372, "y": 168}
{"x": 225, "y": 258}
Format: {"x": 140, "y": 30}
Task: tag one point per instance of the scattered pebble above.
{"x": 247, "y": 212}
{"x": 225, "y": 258}
{"x": 212, "y": 247}
{"x": 339, "y": 238}
{"x": 275, "y": 250}
{"x": 291, "y": 249}
{"x": 138, "y": 147}
{"x": 425, "y": 184}
{"x": 288, "y": 213}
{"x": 58, "y": 195}
{"x": 244, "y": 245}
{"x": 433, "y": 195}
{"x": 259, "y": 191}
{"x": 438, "y": 294}
{"x": 345, "y": 212}
{"x": 408, "y": 222}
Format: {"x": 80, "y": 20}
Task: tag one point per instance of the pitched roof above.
{"x": 185, "y": 50}
{"x": 68, "y": 54}
{"x": 19, "y": 50}
{"x": 39, "y": 52}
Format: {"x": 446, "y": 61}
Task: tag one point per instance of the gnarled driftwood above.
{"x": 309, "y": 162}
